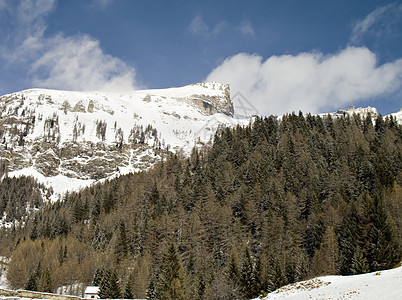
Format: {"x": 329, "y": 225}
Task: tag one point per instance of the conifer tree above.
{"x": 278, "y": 278}
{"x": 128, "y": 294}
{"x": 109, "y": 285}
{"x": 233, "y": 270}
{"x": 46, "y": 282}
{"x": 121, "y": 247}
{"x": 171, "y": 279}
{"x": 32, "y": 283}
{"x": 351, "y": 234}
{"x": 248, "y": 276}
{"x": 153, "y": 291}
{"x": 114, "y": 286}
{"x": 383, "y": 249}
{"x": 98, "y": 276}
{"x": 359, "y": 263}
{"x": 326, "y": 258}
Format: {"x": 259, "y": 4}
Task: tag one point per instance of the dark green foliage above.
{"x": 40, "y": 280}
{"x": 171, "y": 281}
{"x": 32, "y": 283}
{"x": 46, "y": 281}
{"x": 233, "y": 271}
{"x": 153, "y": 291}
{"x": 109, "y": 285}
{"x": 98, "y": 277}
{"x": 16, "y": 194}
{"x": 249, "y": 276}
{"x": 349, "y": 240}
{"x": 121, "y": 247}
{"x": 358, "y": 263}
{"x": 383, "y": 250}
{"x": 367, "y": 242}
{"x": 128, "y": 294}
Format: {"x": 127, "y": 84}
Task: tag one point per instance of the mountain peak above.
{"x": 59, "y": 136}
{"x": 208, "y": 97}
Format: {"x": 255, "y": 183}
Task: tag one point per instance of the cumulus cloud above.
{"x": 383, "y": 20}
{"x": 78, "y": 63}
{"x": 199, "y": 27}
{"x": 62, "y": 62}
{"x": 311, "y": 82}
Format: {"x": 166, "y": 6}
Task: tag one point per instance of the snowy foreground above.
{"x": 378, "y": 285}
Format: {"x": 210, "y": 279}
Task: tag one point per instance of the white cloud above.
{"x": 30, "y": 10}
{"x": 310, "y": 82}
{"x": 246, "y": 28}
{"x": 380, "y": 21}
{"x": 199, "y": 27}
{"x": 78, "y": 63}
{"x": 73, "y": 62}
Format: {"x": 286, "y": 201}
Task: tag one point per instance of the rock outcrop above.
{"x": 93, "y": 135}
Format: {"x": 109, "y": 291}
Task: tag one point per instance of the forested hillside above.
{"x": 265, "y": 205}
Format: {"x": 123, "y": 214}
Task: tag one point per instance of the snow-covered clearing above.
{"x": 379, "y": 285}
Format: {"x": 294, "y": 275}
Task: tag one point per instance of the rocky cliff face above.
{"x": 89, "y": 136}
{"x": 212, "y": 104}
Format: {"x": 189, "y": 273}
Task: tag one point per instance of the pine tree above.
{"x": 233, "y": 270}
{"x": 248, "y": 277}
{"x": 351, "y": 234}
{"x": 46, "y": 282}
{"x": 171, "y": 279}
{"x": 278, "y": 278}
{"x": 114, "y": 286}
{"x": 99, "y": 273}
{"x": 128, "y": 294}
{"x": 32, "y": 283}
{"x": 153, "y": 291}
{"x": 359, "y": 263}
{"x": 121, "y": 247}
{"x": 201, "y": 287}
{"x": 326, "y": 258}
{"x": 109, "y": 285}
{"x": 383, "y": 252}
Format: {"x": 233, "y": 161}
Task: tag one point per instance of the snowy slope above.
{"x": 397, "y": 116}
{"x": 385, "y": 284}
{"x": 68, "y": 140}
{"x": 166, "y": 110}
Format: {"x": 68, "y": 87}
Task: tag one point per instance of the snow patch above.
{"x": 60, "y": 183}
{"x": 379, "y": 285}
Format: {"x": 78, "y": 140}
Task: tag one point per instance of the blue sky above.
{"x": 281, "y": 55}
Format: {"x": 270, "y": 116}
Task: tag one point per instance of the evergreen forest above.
{"x": 278, "y": 201}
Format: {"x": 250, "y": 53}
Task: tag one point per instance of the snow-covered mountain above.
{"x": 378, "y": 285}
{"x": 68, "y": 140}
{"x": 71, "y": 139}
{"x": 364, "y": 112}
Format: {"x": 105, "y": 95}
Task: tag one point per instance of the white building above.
{"x": 91, "y": 292}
